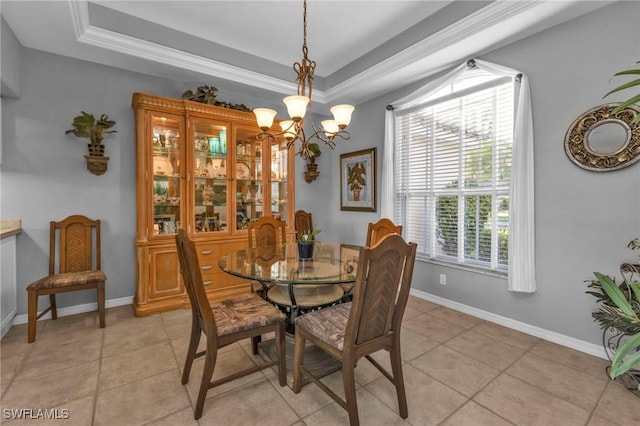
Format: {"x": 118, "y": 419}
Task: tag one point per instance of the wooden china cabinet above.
{"x": 200, "y": 167}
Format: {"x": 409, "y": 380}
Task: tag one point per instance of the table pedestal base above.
{"x": 316, "y": 361}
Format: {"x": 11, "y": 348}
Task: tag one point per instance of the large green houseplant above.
{"x": 619, "y": 309}
{"x": 93, "y": 128}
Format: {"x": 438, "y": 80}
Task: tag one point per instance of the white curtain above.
{"x": 521, "y": 207}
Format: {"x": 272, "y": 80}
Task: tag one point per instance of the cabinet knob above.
{"x": 206, "y": 268}
{"x": 206, "y": 252}
{"x": 209, "y": 282}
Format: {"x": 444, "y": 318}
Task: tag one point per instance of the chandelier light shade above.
{"x": 293, "y": 129}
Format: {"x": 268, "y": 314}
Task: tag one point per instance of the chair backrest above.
{"x": 76, "y": 242}
{"x": 380, "y": 229}
{"x": 190, "y": 270}
{"x": 381, "y": 291}
{"x": 265, "y": 230}
{"x": 303, "y": 222}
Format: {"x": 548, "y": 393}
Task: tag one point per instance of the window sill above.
{"x": 468, "y": 268}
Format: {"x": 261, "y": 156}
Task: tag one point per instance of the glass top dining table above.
{"x": 296, "y": 284}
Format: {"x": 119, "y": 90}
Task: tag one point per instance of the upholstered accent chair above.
{"x": 74, "y": 264}
{"x": 350, "y": 331}
{"x": 224, "y": 323}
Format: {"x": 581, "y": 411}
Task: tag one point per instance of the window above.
{"x": 453, "y": 170}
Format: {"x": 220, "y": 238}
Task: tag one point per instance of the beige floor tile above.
{"x": 571, "y": 358}
{"x": 413, "y": 344}
{"x": 507, "y": 335}
{"x": 619, "y": 405}
{"x": 421, "y": 304}
{"x": 143, "y": 401}
{"x": 15, "y": 343}
{"x": 524, "y": 404}
{"x": 370, "y": 412}
{"x": 456, "y": 370}
{"x": 180, "y": 418}
{"x": 69, "y": 329}
{"x": 227, "y": 363}
{"x": 60, "y": 356}
{"x": 122, "y": 317}
{"x": 132, "y": 338}
{"x": 310, "y": 398}
{"x": 433, "y": 328}
{"x": 485, "y": 349}
{"x": 456, "y": 317}
{"x": 599, "y": 421}
{"x": 428, "y": 401}
{"x": 256, "y": 403}
{"x": 476, "y": 415}
{"x": 177, "y": 323}
{"x": 53, "y": 389}
{"x": 571, "y": 385}
{"x": 134, "y": 365}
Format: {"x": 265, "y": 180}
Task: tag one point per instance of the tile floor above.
{"x": 459, "y": 370}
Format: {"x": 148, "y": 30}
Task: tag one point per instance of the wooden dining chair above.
{"x": 267, "y": 230}
{"x": 74, "y": 264}
{"x": 303, "y": 222}
{"x": 224, "y": 323}
{"x": 380, "y": 229}
{"x": 350, "y": 331}
{"x": 375, "y": 232}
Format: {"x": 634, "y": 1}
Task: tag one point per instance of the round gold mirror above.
{"x": 600, "y": 142}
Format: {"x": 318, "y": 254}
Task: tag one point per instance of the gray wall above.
{"x": 584, "y": 219}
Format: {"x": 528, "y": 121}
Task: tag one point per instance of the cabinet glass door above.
{"x": 167, "y": 197}
{"x": 279, "y": 160}
{"x": 210, "y": 160}
{"x": 249, "y": 177}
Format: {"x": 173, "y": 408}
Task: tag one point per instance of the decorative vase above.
{"x": 305, "y": 250}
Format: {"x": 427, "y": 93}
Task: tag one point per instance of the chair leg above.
{"x": 298, "y": 359}
{"x": 32, "y": 307}
{"x": 255, "y": 341}
{"x": 101, "y": 303}
{"x": 349, "y": 381}
{"x": 194, "y": 341}
{"x": 398, "y": 379}
{"x": 282, "y": 353}
{"x": 207, "y": 373}
{"x": 54, "y": 308}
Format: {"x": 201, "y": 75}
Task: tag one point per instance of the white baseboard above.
{"x": 551, "y": 336}
{"x": 7, "y": 323}
{"x": 77, "y": 309}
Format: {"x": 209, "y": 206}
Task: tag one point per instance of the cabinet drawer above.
{"x": 217, "y": 280}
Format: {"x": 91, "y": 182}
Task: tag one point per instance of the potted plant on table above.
{"x": 88, "y": 126}
{"x": 306, "y": 242}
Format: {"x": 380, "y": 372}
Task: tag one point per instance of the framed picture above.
{"x": 349, "y": 254}
{"x": 358, "y": 181}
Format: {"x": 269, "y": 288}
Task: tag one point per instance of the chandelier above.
{"x": 293, "y": 130}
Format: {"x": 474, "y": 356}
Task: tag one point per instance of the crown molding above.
{"x": 415, "y": 62}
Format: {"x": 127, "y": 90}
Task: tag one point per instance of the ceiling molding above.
{"x": 499, "y": 22}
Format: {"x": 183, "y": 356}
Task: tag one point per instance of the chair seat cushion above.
{"x": 244, "y": 312}
{"x": 68, "y": 279}
{"x": 328, "y": 324}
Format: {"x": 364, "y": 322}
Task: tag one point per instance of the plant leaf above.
{"x": 635, "y": 286}
{"x": 620, "y": 366}
{"x": 625, "y": 86}
{"x": 627, "y": 72}
{"x": 615, "y": 294}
